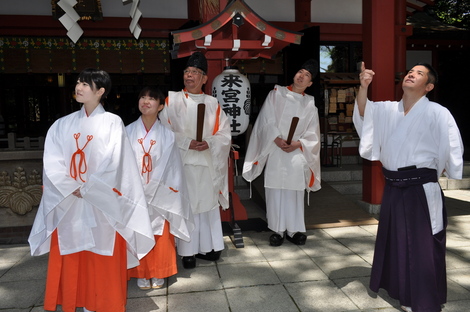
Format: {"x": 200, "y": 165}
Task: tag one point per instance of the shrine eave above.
{"x": 237, "y": 32}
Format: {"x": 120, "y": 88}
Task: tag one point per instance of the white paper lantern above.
{"x": 233, "y": 91}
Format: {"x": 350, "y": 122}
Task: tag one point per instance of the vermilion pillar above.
{"x": 303, "y": 11}
{"x": 401, "y": 32}
{"x": 204, "y": 10}
{"x": 378, "y": 22}
{"x": 193, "y": 10}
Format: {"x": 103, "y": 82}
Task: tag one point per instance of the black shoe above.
{"x": 298, "y": 238}
{"x": 189, "y": 262}
{"x": 276, "y": 240}
{"x": 210, "y": 256}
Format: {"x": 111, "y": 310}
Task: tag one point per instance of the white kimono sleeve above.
{"x": 261, "y": 142}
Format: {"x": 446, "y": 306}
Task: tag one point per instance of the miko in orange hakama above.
{"x": 162, "y": 177}
{"x": 93, "y": 217}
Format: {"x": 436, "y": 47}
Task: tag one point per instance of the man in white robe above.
{"x": 205, "y": 162}
{"x": 290, "y": 168}
{"x": 416, "y": 140}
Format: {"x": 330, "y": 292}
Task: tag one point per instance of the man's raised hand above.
{"x": 365, "y": 76}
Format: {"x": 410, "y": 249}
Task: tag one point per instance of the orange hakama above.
{"x": 160, "y": 262}
{"x": 86, "y": 279}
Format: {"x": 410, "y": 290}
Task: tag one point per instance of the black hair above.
{"x": 432, "y": 73}
{"x": 98, "y": 78}
{"x": 154, "y": 92}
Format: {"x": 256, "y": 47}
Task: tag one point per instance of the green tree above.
{"x": 453, "y": 12}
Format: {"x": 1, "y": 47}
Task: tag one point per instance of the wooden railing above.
{"x": 12, "y": 142}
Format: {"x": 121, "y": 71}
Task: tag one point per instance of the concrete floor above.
{"x": 329, "y": 273}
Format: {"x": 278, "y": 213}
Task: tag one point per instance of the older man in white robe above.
{"x": 205, "y": 162}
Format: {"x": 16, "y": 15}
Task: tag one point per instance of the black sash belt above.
{"x": 410, "y": 177}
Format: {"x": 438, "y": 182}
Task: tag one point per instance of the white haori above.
{"x": 427, "y": 137}
{"x": 162, "y": 177}
{"x": 298, "y": 170}
{"x": 202, "y": 194}
{"x": 101, "y": 160}
{"x": 180, "y": 114}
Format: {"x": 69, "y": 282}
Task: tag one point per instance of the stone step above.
{"x": 352, "y": 172}
{"x": 463, "y": 184}
{"x": 241, "y": 187}
{"x": 466, "y": 169}
{"x": 351, "y": 160}
{"x": 354, "y": 187}
{"x": 347, "y": 180}
{"x": 451, "y": 184}
{"x": 347, "y": 187}
{"x": 239, "y": 182}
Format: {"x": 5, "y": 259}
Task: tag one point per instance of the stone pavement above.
{"x": 330, "y": 273}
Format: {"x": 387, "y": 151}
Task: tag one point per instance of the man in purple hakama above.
{"x": 416, "y": 140}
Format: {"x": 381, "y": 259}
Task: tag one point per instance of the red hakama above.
{"x": 86, "y": 279}
{"x": 160, "y": 262}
